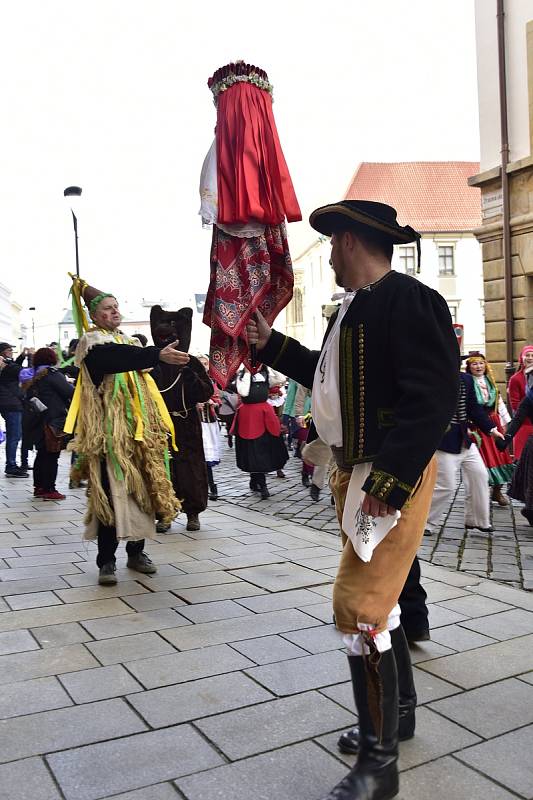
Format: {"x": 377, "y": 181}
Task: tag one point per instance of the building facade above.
{"x": 432, "y": 197}
{"x": 518, "y": 59}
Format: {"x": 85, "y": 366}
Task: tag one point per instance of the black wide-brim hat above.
{"x": 379, "y": 216}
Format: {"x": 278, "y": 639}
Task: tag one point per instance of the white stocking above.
{"x": 354, "y": 641}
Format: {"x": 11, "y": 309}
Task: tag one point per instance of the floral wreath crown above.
{"x": 239, "y": 72}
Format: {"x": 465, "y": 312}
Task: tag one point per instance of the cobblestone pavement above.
{"x": 222, "y": 676}
{"x": 505, "y": 555}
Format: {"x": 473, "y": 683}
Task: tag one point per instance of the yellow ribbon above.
{"x": 72, "y": 416}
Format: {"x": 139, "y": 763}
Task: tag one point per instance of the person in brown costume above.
{"x": 182, "y": 388}
{"x": 383, "y": 426}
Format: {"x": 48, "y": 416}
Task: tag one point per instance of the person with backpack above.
{"x": 47, "y": 395}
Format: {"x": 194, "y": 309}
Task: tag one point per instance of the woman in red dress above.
{"x": 498, "y": 464}
{"x": 517, "y": 391}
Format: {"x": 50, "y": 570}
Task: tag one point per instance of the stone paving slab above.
{"x": 60, "y": 635}
{"x": 28, "y": 779}
{"x": 188, "y": 666}
{"x": 448, "y": 779}
{"x": 128, "y": 624}
{"x": 301, "y": 674}
{"x": 30, "y": 697}
{"x": 505, "y": 625}
{"x": 268, "y": 649}
{"x": 234, "y": 630}
{"x": 40, "y": 663}
{"x": 129, "y": 648}
{"x": 66, "y": 727}
{"x": 101, "y": 683}
{"x": 33, "y": 618}
{"x": 91, "y": 773}
{"x": 301, "y": 772}
{"x": 490, "y": 710}
{"x": 201, "y": 698}
{"x": 499, "y": 759}
{"x": 249, "y": 731}
{"x": 484, "y": 664}
{"x": 17, "y": 641}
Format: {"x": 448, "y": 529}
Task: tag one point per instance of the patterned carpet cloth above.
{"x": 246, "y": 274}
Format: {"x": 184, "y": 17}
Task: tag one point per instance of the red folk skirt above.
{"x": 499, "y": 465}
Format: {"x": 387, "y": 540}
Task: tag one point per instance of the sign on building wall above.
{"x": 492, "y": 204}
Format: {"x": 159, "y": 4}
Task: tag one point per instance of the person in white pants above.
{"x": 458, "y": 452}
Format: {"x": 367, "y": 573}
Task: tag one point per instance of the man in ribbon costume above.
{"x": 122, "y": 429}
{"x": 182, "y": 388}
{"x": 384, "y": 387}
{"x": 246, "y": 195}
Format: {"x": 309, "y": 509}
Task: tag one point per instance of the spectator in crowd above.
{"x": 522, "y": 481}
{"x": 11, "y": 405}
{"x": 498, "y": 464}
{"x": 210, "y": 432}
{"x": 517, "y": 391}
{"x": 259, "y": 448}
{"x": 457, "y": 451}
{"x": 44, "y": 429}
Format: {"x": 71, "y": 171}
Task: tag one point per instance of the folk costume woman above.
{"x": 246, "y": 195}
{"x": 122, "y": 429}
{"x": 182, "y": 387}
{"x": 499, "y": 465}
{"x": 259, "y": 447}
{"x": 521, "y": 487}
{"x": 517, "y": 387}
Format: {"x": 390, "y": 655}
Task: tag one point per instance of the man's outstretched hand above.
{"x": 170, "y": 355}
{"x": 258, "y": 330}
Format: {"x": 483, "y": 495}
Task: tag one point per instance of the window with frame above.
{"x": 407, "y": 260}
{"x": 446, "y": 259}
{"x": 453, "y": 312}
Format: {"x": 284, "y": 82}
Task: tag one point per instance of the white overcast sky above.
{"x": 111, "y": 95}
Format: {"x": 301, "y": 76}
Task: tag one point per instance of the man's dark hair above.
{"x": 373, "y": 239}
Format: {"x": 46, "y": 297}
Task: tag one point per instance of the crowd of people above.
{"x": 267, "y": 416}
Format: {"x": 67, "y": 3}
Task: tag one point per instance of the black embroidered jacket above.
{"x": 399, "y": 380}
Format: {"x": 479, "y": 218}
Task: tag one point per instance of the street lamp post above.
{"x": 33, "y": 309}
{"x": 74, "y": 191}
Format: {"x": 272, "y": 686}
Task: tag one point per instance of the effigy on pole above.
{"x": 247, "y": 196}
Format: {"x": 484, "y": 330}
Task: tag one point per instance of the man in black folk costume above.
{"x": 384, "y": 387}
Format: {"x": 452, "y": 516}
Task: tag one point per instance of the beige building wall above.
{"x": 519, "y": 40}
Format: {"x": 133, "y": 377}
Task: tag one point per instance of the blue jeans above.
{"x": 13, "y": 436}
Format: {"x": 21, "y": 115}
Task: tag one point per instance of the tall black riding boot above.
{"x": 349, "y": 742}
{"x": 375, "y": 776}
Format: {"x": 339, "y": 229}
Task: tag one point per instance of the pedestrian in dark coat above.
{"x": 11, "y": 405}
{"x": 44, "y": 429}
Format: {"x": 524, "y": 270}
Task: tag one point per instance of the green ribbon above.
{"x": 109, "y": 433}
{"x": 141, "y": 396}
{"x": 121, "y": 380}
{"x": 167, "y": 462}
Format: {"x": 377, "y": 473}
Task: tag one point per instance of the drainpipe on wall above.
{"x": 507, "y": 264}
